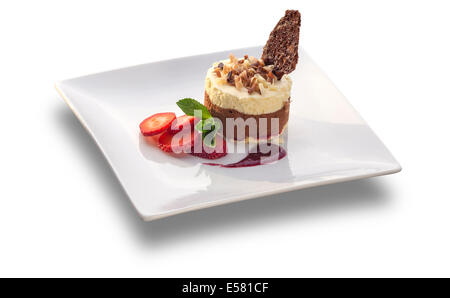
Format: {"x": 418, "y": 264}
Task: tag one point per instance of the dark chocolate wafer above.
{"x": 281, "y": 49}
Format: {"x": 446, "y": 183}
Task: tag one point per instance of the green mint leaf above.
{"x": 190, "y": 105}
{"x": 199, "y": 126}
{"x": 209, "y": 139}
{"x": 208, "y": 128}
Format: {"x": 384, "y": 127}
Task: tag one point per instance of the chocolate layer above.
{"x": 222, "y": 113}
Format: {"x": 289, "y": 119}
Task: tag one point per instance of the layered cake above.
{"x": 256, "y": 91}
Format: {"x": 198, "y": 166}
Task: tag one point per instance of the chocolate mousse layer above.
{"x": 223, "y": 113}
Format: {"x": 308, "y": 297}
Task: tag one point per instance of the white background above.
{"x": 63, "y": 213}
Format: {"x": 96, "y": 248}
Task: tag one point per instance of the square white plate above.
{"x": 328, "y": 141}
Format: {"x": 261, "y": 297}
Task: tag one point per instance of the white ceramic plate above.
{"x": 328, "y": 141}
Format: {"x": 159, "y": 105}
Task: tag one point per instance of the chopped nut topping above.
{"x": 270, "y": 76}
{"x": 254, "y": 86}
{"x": 232, "y": 58}
{"x": 243, "y": 76}
{"x": 252, "y": 59}
{"x": 249, "y": 72}
{"x": 238, "y": 82}
{"x": 226, "y": 69}
{"x": 217, "y": 71}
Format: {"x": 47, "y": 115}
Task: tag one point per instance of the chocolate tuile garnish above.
{"x": 281, "y": 50}
{"x": 277, "y": 73}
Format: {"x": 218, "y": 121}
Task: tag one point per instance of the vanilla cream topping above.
{"x": 272, "y": 97}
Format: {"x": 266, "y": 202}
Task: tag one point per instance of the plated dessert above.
{"x": 246, "y": 99}
{"x": 326, "y": 140}
{"x": 255, "y": 89}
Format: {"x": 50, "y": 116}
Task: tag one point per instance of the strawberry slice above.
{"x": 220, "y": 150}
{"x": 177, "y": 143}
{"x": 181, "y": 122}
{"x": 156, "y": 124}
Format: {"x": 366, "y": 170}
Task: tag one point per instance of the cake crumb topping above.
{"x": 248, "y": 72}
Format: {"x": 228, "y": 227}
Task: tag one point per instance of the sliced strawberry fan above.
{"x": 177, "y": 134}
{"x": 177, "y": 143}
{"x": 180, "y": 123}
{"x": 156, "y": 124}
